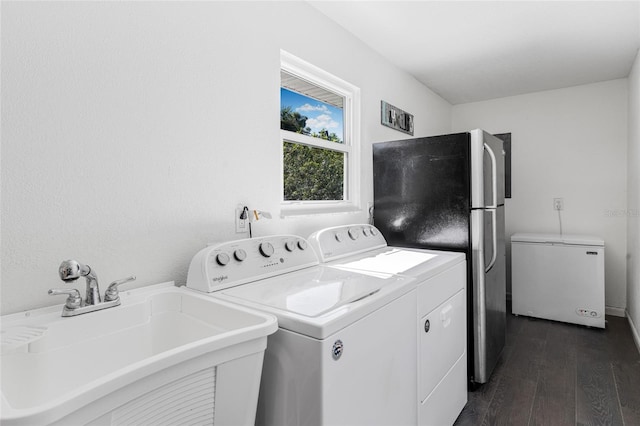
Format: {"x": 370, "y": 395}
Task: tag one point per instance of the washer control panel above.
{"x": 232, "y": 263}
{"x": 340, "y": 241}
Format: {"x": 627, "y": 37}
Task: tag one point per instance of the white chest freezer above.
{"x": 558, "y": 277}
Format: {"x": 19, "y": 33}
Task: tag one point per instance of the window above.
{"x": 319, "y": 126}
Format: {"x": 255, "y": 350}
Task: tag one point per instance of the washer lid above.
{"x": 568, "y": 239}
{"x": 319, "y": 301}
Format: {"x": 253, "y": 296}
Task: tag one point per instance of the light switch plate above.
{"x": 242, "y": 225}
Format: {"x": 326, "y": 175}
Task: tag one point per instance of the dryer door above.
{"x": 442, "y": 342}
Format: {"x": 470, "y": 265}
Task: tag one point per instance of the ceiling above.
{"x": 469, "y": 51}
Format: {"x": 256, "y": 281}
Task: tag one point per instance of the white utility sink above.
{"x": 165, "y": 353}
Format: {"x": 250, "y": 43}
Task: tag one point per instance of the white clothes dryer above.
{"x": 345, "y": 351}
{"x": 440, "y": 278}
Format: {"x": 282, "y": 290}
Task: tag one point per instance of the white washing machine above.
{"x": 345, "y": 350}
{"x": 440, "y": 278}
{"x": 558, "y": 277}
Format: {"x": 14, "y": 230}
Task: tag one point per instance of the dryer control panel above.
{"x": 232, "y": 263}
{"x": 340, "y": 241}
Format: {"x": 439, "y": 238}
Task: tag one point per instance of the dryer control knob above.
{"x": 222, "y": 259}
{"x": 302, "y": 245}
{"x": 339, "y": 237}
{"x": 266, "y": 249}
{"x": 290, "y": 245}
{"x": 354, "y": 234}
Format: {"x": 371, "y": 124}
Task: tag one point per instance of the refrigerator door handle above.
{"x": 478, "y": 295}
{"x": 494, "y": 177}
{"x": 494, "y": 241}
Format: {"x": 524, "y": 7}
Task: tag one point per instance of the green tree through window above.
{"x": 310, "y": 172}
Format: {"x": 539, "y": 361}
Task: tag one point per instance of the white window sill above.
{"x": 310, "y": 209}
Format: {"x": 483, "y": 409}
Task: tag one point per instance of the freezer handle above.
{"x": 494, "y": 241}
{"x": 494, "y": 177}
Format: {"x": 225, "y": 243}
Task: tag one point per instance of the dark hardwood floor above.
{"x": 553, "y": 373}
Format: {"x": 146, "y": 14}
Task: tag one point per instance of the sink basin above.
{"x": 104, "y": 366}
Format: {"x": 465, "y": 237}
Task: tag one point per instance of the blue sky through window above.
{"x": 320, "y": 115}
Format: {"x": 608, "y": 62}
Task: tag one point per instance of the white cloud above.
{"x": 309, "y": 108}
{"x": 323, "y": 121}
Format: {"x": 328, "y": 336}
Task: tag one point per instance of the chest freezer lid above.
{"x": 567, "y": 239}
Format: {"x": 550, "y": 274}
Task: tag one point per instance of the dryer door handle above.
{"x": 445, "y": 316}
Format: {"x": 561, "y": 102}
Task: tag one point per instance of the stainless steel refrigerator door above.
{"x": 487, "y": 170}
{"x": 489, "y": 291}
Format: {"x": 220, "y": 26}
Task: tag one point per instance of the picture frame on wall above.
{"x": 396, "y": 118}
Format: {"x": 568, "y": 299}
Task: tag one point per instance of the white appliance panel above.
{"x": 559, "y": 281}
{"x": 233, "y": 263}
{"x": 440, "y": 278}
{"x": 376, "y": 386}
{"x": 339, "y": 241}
{"x": 369, "y": 252}
{"x": 565, "y": 239}
{"x": 435, "y": 290}
{"x": 448, "y": 398}
{"x": 319, "y": 301}
{"x": 373, "y": 382}
{"x": 367, "y": 378}
{"x": 440, "y": 342}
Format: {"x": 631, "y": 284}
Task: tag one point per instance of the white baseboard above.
{"x": 616, "y": 312}
{"x": 634, "y": 332}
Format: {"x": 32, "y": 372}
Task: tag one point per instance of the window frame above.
{"x": 350, "y": 146}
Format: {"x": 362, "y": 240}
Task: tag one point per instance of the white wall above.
{"x": 633, "y": 216}
{"x": 131, "y": 130}
{"x": 568, "y": 143}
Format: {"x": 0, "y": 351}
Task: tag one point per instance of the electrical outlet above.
{"x": 558, "y": 204}
{"x": 242, "y": 225}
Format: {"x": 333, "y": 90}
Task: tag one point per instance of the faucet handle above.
{"x": 112, "y": 291}
{"x": 74, "y": 301}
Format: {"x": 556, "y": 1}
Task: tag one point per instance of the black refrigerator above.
{"x": 447, "y": 193}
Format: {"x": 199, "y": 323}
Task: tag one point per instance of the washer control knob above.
{"x": 222, "y": 259}
{"x": 354, "y": 234}
{"x": 373, "y": 231}
{"x": 302, "y": 244}
{"x": 365, "y": 231}
{"x": 339, "y": 237}
{"x": 290, "y": 245}
{"x": 240, "y": 255}
{"x": 266, "y": 249}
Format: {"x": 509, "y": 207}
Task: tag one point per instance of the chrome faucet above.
{"x": 69, "y": 271}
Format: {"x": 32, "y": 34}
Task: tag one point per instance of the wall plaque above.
{"x": 396, "y": 118}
